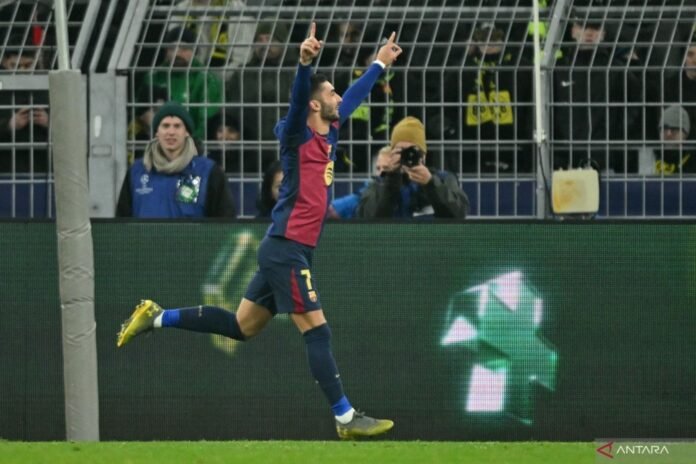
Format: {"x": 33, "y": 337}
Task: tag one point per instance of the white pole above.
{"x": 541, "y": 147}
{"x": 62, "y": 35}
{"x": 539, "y": 133}
{"x": 68, "y": 111}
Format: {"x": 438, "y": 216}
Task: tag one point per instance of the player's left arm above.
{"x": 356, "y": 93}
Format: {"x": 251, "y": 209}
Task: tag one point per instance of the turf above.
{"x": 295, "y": 452}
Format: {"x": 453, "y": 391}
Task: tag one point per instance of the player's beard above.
{"x": 328, "y": 113}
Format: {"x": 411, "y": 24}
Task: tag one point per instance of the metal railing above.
{"x": 27, "y": 53}
{"x": 466, "y": 72}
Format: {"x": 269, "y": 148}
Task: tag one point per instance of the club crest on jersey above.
{"x": 312, "y": 296}
{"x": 329, "y": 173}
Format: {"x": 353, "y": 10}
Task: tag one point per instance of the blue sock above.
{"x": 323, "y": 367}
{"x": 207, "y": 319}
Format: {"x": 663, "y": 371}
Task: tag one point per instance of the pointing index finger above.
{"x": 313, "y": 30}
{"x": 392, "y": 37}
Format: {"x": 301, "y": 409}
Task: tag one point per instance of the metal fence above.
{"x": 615, "y": 78}
{"x": 27, "y": 53}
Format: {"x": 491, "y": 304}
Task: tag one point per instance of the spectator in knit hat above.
{"x": 680, "y": 88}
{"x": 672, "y": 157}
{"x": 140, "y": 129}
{"x": 171, "y": 180}
{"x": 406, "y": 187}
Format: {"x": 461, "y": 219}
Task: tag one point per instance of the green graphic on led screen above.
{"x": 498, "y": 323}
{"x": 612, "y": 299}
{"x": 225, "y": 283}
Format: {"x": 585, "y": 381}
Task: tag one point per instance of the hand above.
{"x": 393, "y": 163}
{"x": 19, "y": 120}
{"x": 41, "y": 117}
{"x": 419, "y": 174}
{"x": 310, "y": 47}
{"x": 389, "y": 51}
{"x": 332, "y": 213}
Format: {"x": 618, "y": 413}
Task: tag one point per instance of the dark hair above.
{"x": 15, "y": 43}
{"x": 180, "y": 35}
{"x": 216, "y": 122}
{"x": 265, "y": 202}
{"x": 224, "y": 118}
{"x": 21, "y": 47}
{"x": 148, "y": 96}
{"x": 488, "y": 32}
{"x": 317, "y": 81}
{"x": 279, "y": 31}
{"x": 151, "y": 94}
{"x": 587, "y": 20}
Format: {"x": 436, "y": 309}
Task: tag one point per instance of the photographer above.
{"x": 406, "y": 187}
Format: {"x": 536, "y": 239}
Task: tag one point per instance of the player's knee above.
{"x": 252, "y": 318}
{"x": 319, "y": 334}
{"x": 251, "y": 330}
{"x": 248, "y": 328}
{"x": 251, "y": 326}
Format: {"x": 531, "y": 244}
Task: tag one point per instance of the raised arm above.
{"x": 356, "y": 93}
{"x": 299, "y": 98}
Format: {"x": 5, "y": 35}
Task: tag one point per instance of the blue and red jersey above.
{"x": 307, "y": 159}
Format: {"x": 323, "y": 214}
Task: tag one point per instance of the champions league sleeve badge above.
{"x": 187, "y": 188}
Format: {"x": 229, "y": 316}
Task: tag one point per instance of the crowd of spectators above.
{"x": 609, "y": 107}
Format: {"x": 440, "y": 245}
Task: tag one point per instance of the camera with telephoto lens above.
{"x": 411, "y": 156}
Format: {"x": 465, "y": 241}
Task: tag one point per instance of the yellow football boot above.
{"x": 140, "y": 321}
{"x": 362, "y": 426}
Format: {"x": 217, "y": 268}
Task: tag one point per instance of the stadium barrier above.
{"x": 619, "y": 198}
{"x": 478, "y": 331}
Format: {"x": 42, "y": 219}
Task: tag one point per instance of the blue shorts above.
{"x": 283, "y": 283}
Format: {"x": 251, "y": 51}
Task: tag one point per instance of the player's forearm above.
{"x": 299, "y": 99}
{"x": 359, "y": 90}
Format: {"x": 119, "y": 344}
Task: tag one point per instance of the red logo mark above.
{"x": 605, "y": 450}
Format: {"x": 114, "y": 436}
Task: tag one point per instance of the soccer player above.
{"x": 308, "y": 137}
